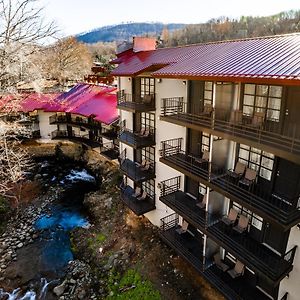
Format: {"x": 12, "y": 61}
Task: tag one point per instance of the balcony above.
{"x": 110, "y": 150}
{"x": 283, "y": 142}
{"x": 182, "y": 203}
{"x": 139, "y": 207}
{"x": 75, "y": 121}
{"x": 256, "y": 255}
{"x": 234, "y": 289}
{"x": 187, "y": 245}
{"x": 134, "y": 103}
{"x": 86, "y": 139}
{"x": 109, "y": 134}
{"x": 274, "y": 208}
{"x": 134, "y": 170}
{"x": 144, "y": 138}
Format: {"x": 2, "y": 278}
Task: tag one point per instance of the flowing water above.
{"x": 53, "y": 247}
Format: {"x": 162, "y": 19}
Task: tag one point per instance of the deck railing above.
{"x": 136, "y": 101}
{"x": 278, "y": 206}
{"x": 285, "y": 136}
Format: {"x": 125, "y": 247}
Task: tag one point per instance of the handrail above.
{"x": 258, "y": 196}
{"x": 170, "y": 186}
{"x": 290, "y": 255}
{"x": 270, "y": 132}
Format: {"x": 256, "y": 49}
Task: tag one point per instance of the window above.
{"x": 147, "y": 86}
{"x": 208, "y": 92}
{"x": 205, "y": 141}
{"x": 148, "y": 153}
{"x": 149, "y": 187}
{"x": 257, "y": 159}
{"x": 254, "y": 219}
{"x": 262, "y": 98}
{"x": 147, "y": 120}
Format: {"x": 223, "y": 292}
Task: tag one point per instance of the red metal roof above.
{"x": 83, "y": 99}
{"x": 274, "y": 57}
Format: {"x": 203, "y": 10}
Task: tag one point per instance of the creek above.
{"x": 42, "y": 263}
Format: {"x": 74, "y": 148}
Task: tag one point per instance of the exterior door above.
{"x": 286, "y": 182}
{"x": 196, "y": 90}
{"x": 276, "y": 238}
{"x": 192, "y": 187}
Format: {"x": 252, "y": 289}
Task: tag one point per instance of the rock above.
{"x": 20, "y": 245}
{"x": 81, "y": 294}
{"x": 59, "y": 290}
{"x": 72, "y": 281}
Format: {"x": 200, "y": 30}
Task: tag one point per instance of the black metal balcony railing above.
{"x": 109, "y": 134}
{"x": 91, "y": 141}
{"x": 135, "y": 103}
{"x": 182, "y": 203}
{"x": 74, "y": 120}
{"x": 282, "y": 140}
{"x": 276, "y": 208}
{"x": 110, "y": 150}
{"x": 257, "y": 256}
{"x": 237, "y": 288}
{"x": 134, "y": 170}
{"x": 136, "y": 139}
{"x": 187, "y": 245}
{"x": 139, "y": 207}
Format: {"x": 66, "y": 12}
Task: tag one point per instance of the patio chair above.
{"x": 137, "y": 192}
{"x": 141, "y": 132}
{"x": 249, "y": 178}
{"x": 231, "y": 217}
{"x": 238, "y": 171}
{"x": 202, "y": 204}
{"x": 147, "y": 99}
{"x": 142, "y": 197}
{"x": 183, "y": 227}
{"x": 236, "y": 117}
{"x": 204, "y": 158}
{"x": 237, "y": 271}
{"x": 242, "y": 224}
{"x": 146, "y": 133}
{"x": 219, "y": 263}
{"x": 207, "y": 110}
{"x": 142, "y": 164}
{"x": 258, "y": 119}
{"x": 146, "y": 167}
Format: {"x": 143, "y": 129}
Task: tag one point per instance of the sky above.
{"x": 76, "y": 16}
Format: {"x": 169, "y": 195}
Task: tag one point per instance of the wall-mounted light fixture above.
{"x": 159, "y": 80}
{"x": 184, "y": 82}
{"x": 129, "y": 79}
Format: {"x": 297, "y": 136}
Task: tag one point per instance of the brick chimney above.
{"x": 143, "y": 44}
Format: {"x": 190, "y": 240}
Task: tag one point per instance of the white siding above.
{"x": 291, "y": 284}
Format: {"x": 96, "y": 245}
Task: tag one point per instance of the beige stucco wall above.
{"x": 292, "y": 284}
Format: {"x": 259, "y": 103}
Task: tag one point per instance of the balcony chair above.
{"x": 137, "y": 192}
{"x": 202, "y": 204}
{"x": 142, "y": 164}
{"x": 249, "y": 178}
{"x": 142, "y": 197}
{"x": 236, "y": 117}
{"x": 147, "y": 99}
{"x": 142, "y": 132}
{"x": 183, "y": 227}
{"x": 207, "y": 110}
{"x": 146, "y": 167}
{"x": 238, "y": 270}
{"x": 238, "y": 171}
{"x": 219, "y": 263}
{"x": 231, "y": 218}
{"x": 146, "y": 133}
{"x": 242, "y": 224}
{"x": 258, "y": 119}
{"x": 204, "y": 159}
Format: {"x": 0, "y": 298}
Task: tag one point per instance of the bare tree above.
{"x": 22, "y": 32}
{"x": 14, "y": 161}
{"x": 22, "y": 29}
{"x": 65, "y": 60}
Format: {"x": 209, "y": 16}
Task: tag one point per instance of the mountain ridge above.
{"x": 125, "y": 31}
